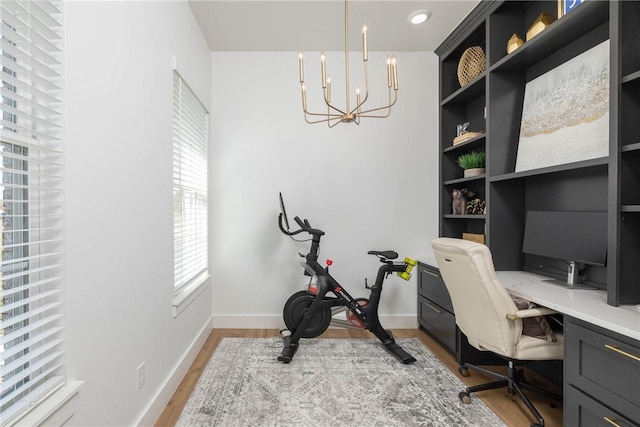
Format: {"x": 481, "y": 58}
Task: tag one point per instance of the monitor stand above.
{"x": 572, "y": 279}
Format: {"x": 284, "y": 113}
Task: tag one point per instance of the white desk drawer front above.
{"x": 603, "y": 365}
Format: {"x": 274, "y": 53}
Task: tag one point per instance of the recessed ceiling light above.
{"x": 419, "y": 16}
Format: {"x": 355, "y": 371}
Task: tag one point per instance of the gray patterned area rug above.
{"x": 330, "y": 382}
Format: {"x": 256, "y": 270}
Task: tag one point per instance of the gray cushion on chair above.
{"x": 538, "y": 326}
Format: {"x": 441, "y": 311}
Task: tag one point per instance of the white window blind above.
{"x": 190, "y": 189}
{"x": 31, "y": 187}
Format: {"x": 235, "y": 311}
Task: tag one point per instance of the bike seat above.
{"x": 384, "y": 254}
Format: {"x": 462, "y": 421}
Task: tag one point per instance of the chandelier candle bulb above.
{"x": 329, "y": 88}
{"x": 395, "y": 73}
{"x": 323, "y": 71}
{"x": 301, "y": 66}
{"x": 388, "y": 71}
{"x": 365, "y": 54}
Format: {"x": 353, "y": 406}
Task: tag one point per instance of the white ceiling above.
{"x": 318, "y": 25}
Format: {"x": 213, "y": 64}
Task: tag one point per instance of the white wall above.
{"x": 120, "y": 244}
{"x": 372, "y": 186}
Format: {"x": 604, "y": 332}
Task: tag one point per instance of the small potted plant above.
{"x": 473, "y": 163}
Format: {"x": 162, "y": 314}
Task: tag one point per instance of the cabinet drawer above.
{"x": 582, "y": 411}
{"x": 438, "y": 322}
{"x": 603, "y": 365}
{"x": 431, "y": 286}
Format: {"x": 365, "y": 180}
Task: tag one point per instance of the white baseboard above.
{"x": 153, "y": 411}
{"x": 234, "y": 321}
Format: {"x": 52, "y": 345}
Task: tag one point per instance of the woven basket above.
{"x": 471, "y": 65}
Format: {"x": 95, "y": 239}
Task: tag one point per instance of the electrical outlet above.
{"x": 140, "y": 375}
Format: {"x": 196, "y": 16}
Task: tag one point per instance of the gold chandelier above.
{"x": 335, "y": 115}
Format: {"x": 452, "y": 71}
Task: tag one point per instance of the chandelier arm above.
{"x": 332, "y": 107}
{"x": 366, "y": 89}
{"x": 333, "y": 125}
{"x": 366, "y": 82}
{"x": 311, "y": 122}
{"x": 333, "y": 116}
{"x": 328, "y": 121}
{"x": 363, "y": 113}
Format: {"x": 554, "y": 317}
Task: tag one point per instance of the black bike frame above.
{"x": 326, "y": 283}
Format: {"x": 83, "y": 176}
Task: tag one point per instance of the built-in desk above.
{"x": 602, "y": 345}
{"x": 587, "y": 305}
{"x": 601, "y": 353}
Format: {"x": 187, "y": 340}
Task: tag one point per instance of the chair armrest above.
{"x": 530, "y": 312}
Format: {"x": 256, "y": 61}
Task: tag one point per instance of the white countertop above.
{"x": 588, "y": 305}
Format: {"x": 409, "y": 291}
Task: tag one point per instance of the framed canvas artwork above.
{"x": 565, "y": 113}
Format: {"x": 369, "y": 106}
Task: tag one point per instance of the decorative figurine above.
{"x": 459, "y": 204}
{"x": 476, "y": 207}
{"x": 542, "y": 22}
{"x": 514, "y": 42}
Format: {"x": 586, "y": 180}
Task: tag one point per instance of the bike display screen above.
{"x": 283, "y": 211}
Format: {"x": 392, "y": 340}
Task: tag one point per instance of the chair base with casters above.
{"x": 514, "y": 382}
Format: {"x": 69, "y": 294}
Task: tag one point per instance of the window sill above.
{"x": 55, "y": 409}
{"x": 188, "y": 293}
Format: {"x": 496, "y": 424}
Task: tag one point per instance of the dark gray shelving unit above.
{"x": 492, "y": 103}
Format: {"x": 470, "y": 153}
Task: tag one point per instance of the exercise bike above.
{"x": 308, "y": 313}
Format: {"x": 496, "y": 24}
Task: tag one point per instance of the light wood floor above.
{"x": 511, "y": 410}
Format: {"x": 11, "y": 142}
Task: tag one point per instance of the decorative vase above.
{"x": 468, "y": 173}
{"x": 472, "y": 63}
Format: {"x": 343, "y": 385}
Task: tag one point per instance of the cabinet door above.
{"x": 582, "y": 411}
{"x": 431, "y": 286}
{"x": 438, "y": 322}
{"x": 603, "y": 365}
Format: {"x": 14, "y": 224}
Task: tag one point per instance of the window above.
{"x": 190, "y": 189}
{"x": 31, "y": 205}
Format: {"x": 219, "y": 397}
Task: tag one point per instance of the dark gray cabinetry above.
{"x": 435, "y": 312}
{"x": 436, "y": 317}
{"x": 493, "y": 103}
{"x": 602, "y": 376}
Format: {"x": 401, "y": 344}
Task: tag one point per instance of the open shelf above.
{"x": 588, "y": 16}
{"x": 631, "y": 147}
{"x": 633, "y": 77}
{"x": 551, "y": 169}
{"x": 471, "y": 90}
{"x": 474, "y": 216}
{"x": 473, "y": 142}
{"x": 463, "y": 180}
{"x": 630, "y": 208}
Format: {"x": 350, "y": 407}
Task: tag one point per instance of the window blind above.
{"x": 31, "y": 188}
{"x": 190, "y": 189}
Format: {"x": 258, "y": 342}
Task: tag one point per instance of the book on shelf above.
{"x": 466, "y": 137}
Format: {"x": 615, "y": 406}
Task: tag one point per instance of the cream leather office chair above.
{"x": 490, "y": 319}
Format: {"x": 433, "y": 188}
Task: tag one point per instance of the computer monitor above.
{"x": 576, "y": 237}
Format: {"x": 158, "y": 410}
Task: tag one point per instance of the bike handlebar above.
{"x": 304, "y": 226}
